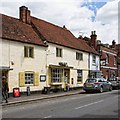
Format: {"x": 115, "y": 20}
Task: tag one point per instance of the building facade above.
{"x": 108, "y": 56}
{"x": 39, "y": 54}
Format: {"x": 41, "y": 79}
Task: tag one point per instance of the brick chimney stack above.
{"x": 25, "y": 15}
{"x": 93, "y": 40}
{"x": 113, "y": 44}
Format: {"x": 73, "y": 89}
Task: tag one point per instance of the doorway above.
{"x": 66, "y": 75}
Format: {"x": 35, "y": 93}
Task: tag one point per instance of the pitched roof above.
{"x": 61, "y": 36}
{"x": 108, "y": 49}
{"x": 14, "y": 29}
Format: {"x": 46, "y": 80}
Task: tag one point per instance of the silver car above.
{"x": 115, "y": 82}
{"x": 97, "y": 84}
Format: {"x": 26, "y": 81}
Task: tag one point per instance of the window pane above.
{"x": 29, "y": 78}
{"x": 56, "y": 75}
{"x": 25, "y": 51}
{"x": 58, "y": 52}
{"x": 79, "y": 75}
{"x": 31, "y": 52}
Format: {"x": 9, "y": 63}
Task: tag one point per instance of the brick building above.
{"x": 108, "y": 56}
{"x": 116, "y": 47}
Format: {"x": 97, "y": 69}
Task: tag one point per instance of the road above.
{"x": 91, "y": 105}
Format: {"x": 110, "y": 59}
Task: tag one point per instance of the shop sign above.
{"x": 63, "y": 64}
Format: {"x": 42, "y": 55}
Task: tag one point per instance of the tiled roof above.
{"x": 16, "y": 30}
{"x": 61, "y": 36}
{"x": 108, "y": 49}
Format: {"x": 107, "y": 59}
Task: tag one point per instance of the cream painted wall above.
{"x": 14, "y": 51}
{"x": 69, "y": 56}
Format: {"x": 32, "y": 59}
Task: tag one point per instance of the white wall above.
{"x": 14, "y": 51}
{"x": 69, "y": 56}
{"x": 94, "y": 66}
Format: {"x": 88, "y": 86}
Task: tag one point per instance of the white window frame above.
{"x": 28, "y": 52}
{"x": 79, "y": 56}
{"x": 56, "y": 75}
{"x": 59, "y": 52}
{"x": 94, "y": 59}
{"x": 79, "y": 75}
{"x": 29, "y": 78}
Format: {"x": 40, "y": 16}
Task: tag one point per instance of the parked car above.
{"x": 115, "y": 82}
{"x": 97, "y": 84}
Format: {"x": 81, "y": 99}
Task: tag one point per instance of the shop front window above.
{"x": 56, "y": 75}
{"x": 79, "y": 75}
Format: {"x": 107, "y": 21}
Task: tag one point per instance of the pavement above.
{"x": 38, "y": 96}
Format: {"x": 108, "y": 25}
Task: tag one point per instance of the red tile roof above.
{"x": 16, "y": 30}
{"x": 61, "y": 36}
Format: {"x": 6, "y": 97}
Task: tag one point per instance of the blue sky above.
{"x": 94, "y": 6}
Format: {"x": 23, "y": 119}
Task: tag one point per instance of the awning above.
{"x": 104, "y": 56}
{"x": 5, "y": 68}
{"x": 58, "y": 66}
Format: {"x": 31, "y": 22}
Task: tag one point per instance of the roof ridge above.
{"x": 49, "y": 23}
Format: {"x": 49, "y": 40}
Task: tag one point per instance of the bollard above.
{"x": 28, "y": 90}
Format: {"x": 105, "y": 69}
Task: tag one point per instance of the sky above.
{"x": 79, "y": 16}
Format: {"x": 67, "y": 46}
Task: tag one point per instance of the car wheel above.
{"x": 101, "y": 89}
{"x": 87, "y": 91}
{"x": 110, "y": 88}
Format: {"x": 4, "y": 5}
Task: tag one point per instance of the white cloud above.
{"x": 107, "y": 22}
{"x": 69, "y": 13}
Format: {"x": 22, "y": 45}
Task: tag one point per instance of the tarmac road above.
{"x": 92, "y": 105}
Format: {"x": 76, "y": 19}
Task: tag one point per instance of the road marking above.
{"x": 48, "y": 116}
{"x": 88, "y": 104}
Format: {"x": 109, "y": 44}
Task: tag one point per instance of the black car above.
{"x": 115, "y": 82}
{"x": 97, "y": 84}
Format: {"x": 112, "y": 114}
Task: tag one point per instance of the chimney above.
{"x": 80, "y": 37}
{"x": 64, "y": 27}
{"x": 93, "y": 39}
{"x": 25, "y": 15}
{"x": 113, "y": 44}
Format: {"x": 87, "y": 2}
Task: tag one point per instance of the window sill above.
{"x": 94, "y": 64}
{"x": 79, "y": 82}
{"x": 57, "y": 83}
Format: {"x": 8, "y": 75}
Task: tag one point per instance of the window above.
{"x": 28, "y": 51}
{"x": 29, "y": 78}
{"x": 107, "y": 59}
{"x": 94, "y": 59}
{"x": 118, "y": 67}
{"x": 79, "y": 75}
{"x": 56, "y": 75}
{"x": 58, "y": 52}
{"x": 115, "y": 61}
{"x": 79, "y": 56}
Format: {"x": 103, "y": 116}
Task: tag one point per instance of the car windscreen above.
{"x": 91, "y": 80}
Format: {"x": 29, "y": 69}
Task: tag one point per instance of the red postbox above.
{"x": 16, "y": 92}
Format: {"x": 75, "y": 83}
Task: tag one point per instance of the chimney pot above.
{"x": 25, "y": 14}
